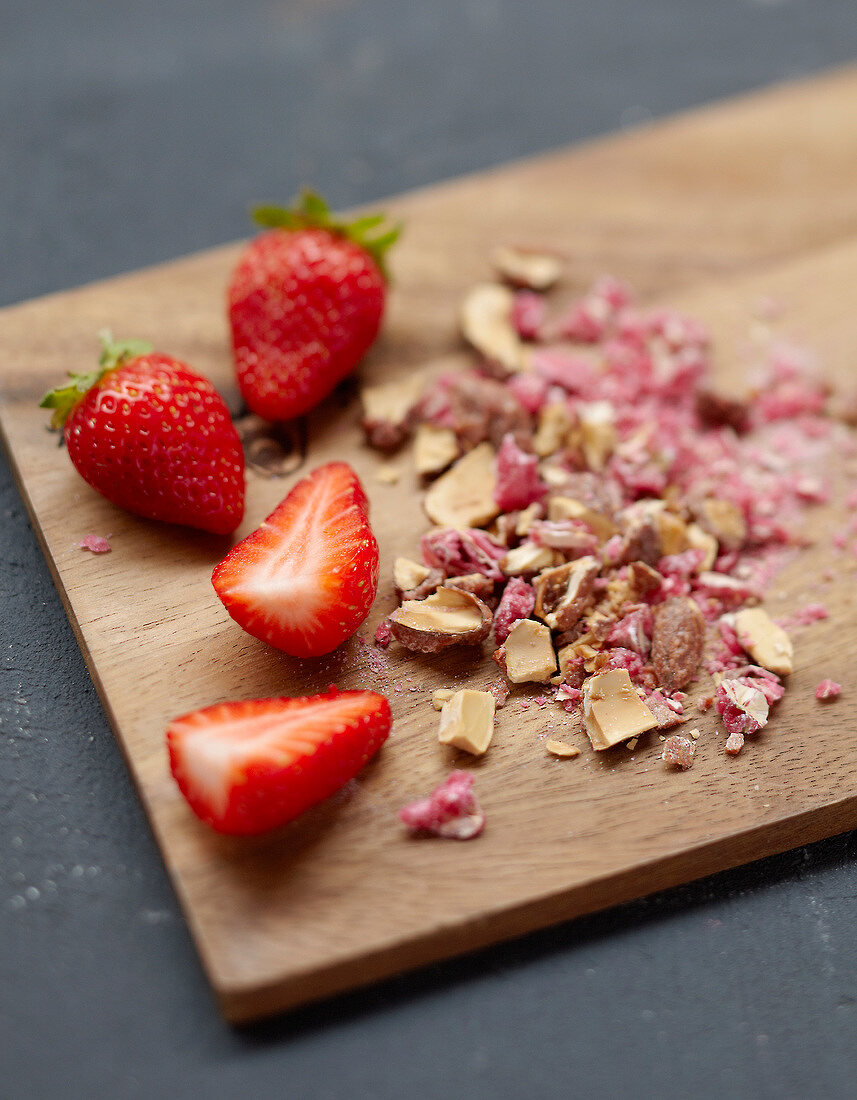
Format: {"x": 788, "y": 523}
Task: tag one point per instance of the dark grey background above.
{"x": 132, "y": 133}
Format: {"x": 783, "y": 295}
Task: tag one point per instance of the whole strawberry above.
{"x": 305, "y": 304}
{"x": 154, "y": 437}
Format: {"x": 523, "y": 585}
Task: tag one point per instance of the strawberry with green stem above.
{"x": 153, "y": 436}
{"x": 306, "y": 301}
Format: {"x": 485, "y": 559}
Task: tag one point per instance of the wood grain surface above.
{"x": 708, "y": 212}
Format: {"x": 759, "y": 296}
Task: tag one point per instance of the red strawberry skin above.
{"x": 305, "y": 305}
{"x": 248, "y": 767}
{"x": 156, "y": 438}
{"x": 305, "y": 580}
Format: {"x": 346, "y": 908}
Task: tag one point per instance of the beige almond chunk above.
{"x": 560, "y": 508}
{"x": 725, "y": 521}
{"x": 525, "y": 518}
{"x": 552, "y": 431}
{"x": 387, "y": 475}
{"x": 467, "y": 721}
{"x": 702, "y": 540}
{"x": 563, "y": 593}
{"x": 434, "y": 449}
{"x": 673, "y": 532}
{"x": 464, "y": 495}
{"x": 562, "y": 748}
{"x": 486, "y": 323}
{"x": 527, "y": 267}
{"x": 765, "y": 641}
{"x": 440, "y": 696}
{"x": 530, "y": 656}
{"x": 598, "y": 432}
{"x": 529, "y": 557}
{"x": 392, "y": 401}
{"x": 448, "y": 617}
{"x": 612, "y": 710}
{"x": 408, "y": 574}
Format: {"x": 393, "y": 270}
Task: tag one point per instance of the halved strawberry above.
{"x": 248, "y": 767}
{"x": 305, "y": 580}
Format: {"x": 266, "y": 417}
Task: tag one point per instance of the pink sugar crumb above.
{"x": 451, "y": 810}
{"x": 679, "y": 751}
{"x": 805, "y": 616}
{"x": 529, "y": 311}
{"x": 96, "y": 543}
{"x": 518, "y": 482}
{"x": 500, "y": 690}
{"x": 517, "y": 602}
{"x": 530, "y": 390}
{"x": 828, "y": 689}
{"x": 384, "y": 634}
{"x": 851, "y": 499}
{"x": 734, "y": 743}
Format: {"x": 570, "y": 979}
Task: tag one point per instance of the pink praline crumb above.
{"x": 95, "y": 543}
{"x": 828, "y": 689}
{"x": 451, "y": 810}
{"x": 679, "y": 751}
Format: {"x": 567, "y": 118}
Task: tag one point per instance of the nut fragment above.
{"x": 707, "y": 543}
{"x": 529, "y": 557}
{"x": 553, "y": 429}
{"x": 679, "y": 751}
{"x": 612, "y": 710}
{"x": 527, "y": 268}
{"x": 560, "y": 508}
{"x": 725, "y": 521}
{"x": 440, "y": 696}
{"x": 530, "y": 656}
{"x": 563, "y": 593}
{"x": 467, "y": 721}
{"x": 408, "y": 574}
{"x": 434, "y": 449}
{"x": 387, "y": 408}
{"x": 387, "y": 474}
{"x": 562, "y": 748}
{"x": 598, "y": 432}
{"x": 486, "y": 322}
{"x": 765, "y": 641}
{"x": 677, "y": 642}
{"x": 464, "y": 495}
{"x": 448, "y": 617}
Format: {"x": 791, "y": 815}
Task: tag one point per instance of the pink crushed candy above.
{"x": 459, "y": 552}
{"x": 500, "y": 690}
{"x": 828, "y": 689}
{"x": 734, "y": 743}
{"x": 517, "y": 602}
{"x": 679, "y": 751}
{"x": 451, "y": 810}
{"x": 529, "y": 312}
{"x": 96, "y": 543}
{"x": 383, "y": 634}
{"x": 744, "y": 709}
{"x": 518, "y": 482}
{"x": 634, "y": 631}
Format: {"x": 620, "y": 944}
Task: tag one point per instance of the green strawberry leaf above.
{"x": 113, "y": 354}
{"x": 310, "y": 211}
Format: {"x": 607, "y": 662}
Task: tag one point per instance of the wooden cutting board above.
{"x": 707, "y": 211}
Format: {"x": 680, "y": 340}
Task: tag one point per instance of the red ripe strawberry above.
{"x": 248, "y": 767}
{"x": 305, "y": 580}
{"x": 154, "y": 437}
{"x": 305, "y": 304}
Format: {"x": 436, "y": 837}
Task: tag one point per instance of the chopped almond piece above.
{"x": 677, "y": 642}
{"x": 434, "y": 449}
{"x": 486, "y": 322}
{"x": 527, "y": 268}
{"x": 525, "y": 518}
{"x": 553, "y": 429}
{"x": 673, "y": 532}
{"x": 765, "y": 641}
{"x": 725, "y": 521}
{"x": 563, "y": 593}
{"x": 387, "y": 475}
{"x": 440, "y": 696}
{"x": 467, "y": 721}
{"x": 464, "y": 495}
{"x": 387, "y": 410}
{"x": 598, "y": 432}
{"x": 612, "y": 710}
{"x": 529, "y": 557}
{"x": 448, "y": 617}
{"x": 408, "y": 574}
{"x": 560, "y": 508}
{"x": 562, "y": 748}
{"x": 702, "y": 540}
{"x": 530, "y": 656}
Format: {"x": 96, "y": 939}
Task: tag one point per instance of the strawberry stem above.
{"x": 310, "y": 211}
{"x": 113, "y": 354}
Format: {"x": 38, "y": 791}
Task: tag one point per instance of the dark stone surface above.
{"x": 130, "y": 134}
